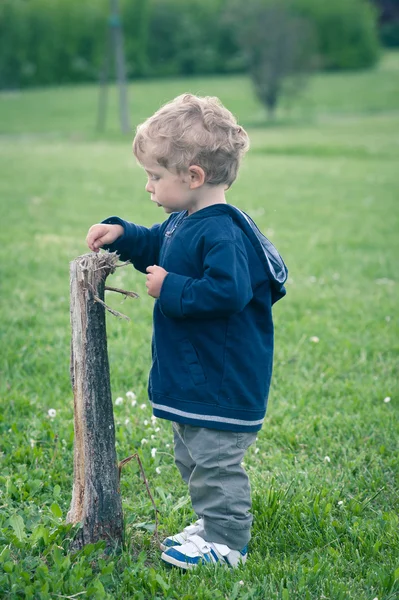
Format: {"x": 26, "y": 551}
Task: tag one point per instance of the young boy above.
{"x": 214, "y": 277}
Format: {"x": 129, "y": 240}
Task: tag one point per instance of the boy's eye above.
{"x": 154, "y": 177}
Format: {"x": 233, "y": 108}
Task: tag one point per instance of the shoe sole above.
{"x": 174, "y": 562}
{"x": 171, "y": 561}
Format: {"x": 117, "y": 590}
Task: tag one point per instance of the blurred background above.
{"x": 52, "y": 42}
{"x": 278, "y": 43}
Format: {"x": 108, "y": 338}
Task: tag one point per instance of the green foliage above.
{"x": 58, "y": 41}
{"x": 135, "y": 20}
{"x": 188, "y": 38}
{"x": 390, "y": 34}
{"x": 45, "y": 42}
{"x": 346, "y": 31}
{"x": 324, "y": 189}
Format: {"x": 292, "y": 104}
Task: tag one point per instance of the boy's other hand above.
{"x": 155, "y": 278}
{"x": 102, "y": 234}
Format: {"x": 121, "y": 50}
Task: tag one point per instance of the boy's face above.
{"x": 168, "y": 189}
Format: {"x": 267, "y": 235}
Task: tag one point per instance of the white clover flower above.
{"x": 314, "y": 339}
{"x": 241, "y": 582}
{"x": 157, "y": 429}
{"x": 158, "y": 470}
{"x": 134, "y": 402}
{"x": 144, "y": 441}
{"x": 168, "y": 445}
{"x": 145, "y": 422}
{"x": 51, "y": 413}
{"x": 131, "y": 395}
{"x": 153, "y": 419}
{"x": 327, "y": 459}
{"x": 256, "y": 450}
{"x": 119, "y": 401}
{"x": 340, "y": 502}
{"x": 127, "y": 421}
{"x": 153, "y": 437}
{"x": 387, "y": 399}
{"x": 143, "y": 406}
{"x": 32, "y": 443}
{"x": 153, "y": 452}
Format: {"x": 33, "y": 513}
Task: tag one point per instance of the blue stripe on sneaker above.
{"x": 174, "y": 553}
{"x": 215, "y": 556}
{"x": 170, "y": 543}
{"x": 244, "y": 551}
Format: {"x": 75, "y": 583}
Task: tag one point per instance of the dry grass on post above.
{"x": 96, "y": 502}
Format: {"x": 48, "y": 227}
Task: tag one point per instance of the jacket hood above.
{"x": 275, "y": 267}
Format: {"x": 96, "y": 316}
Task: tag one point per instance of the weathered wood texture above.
{"x": 96, "y": 502}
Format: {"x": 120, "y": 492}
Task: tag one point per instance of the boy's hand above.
{"x": 155, "y": 278}
{"x": 102, "y": 234}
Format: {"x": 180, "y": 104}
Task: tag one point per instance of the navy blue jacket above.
{"x": 212, "y": 345}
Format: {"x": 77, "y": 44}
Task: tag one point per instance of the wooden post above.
{"x": 96, "y": 501}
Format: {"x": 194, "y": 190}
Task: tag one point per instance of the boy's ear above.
{"x": 196, "y": 176}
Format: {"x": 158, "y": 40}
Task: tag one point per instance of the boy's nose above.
{"x": 149, "y": 188}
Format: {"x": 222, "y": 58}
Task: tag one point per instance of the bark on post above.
{"x": 96, "y": 502}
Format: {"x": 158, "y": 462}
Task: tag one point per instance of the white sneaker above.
{"x": 196, "y": 551}
{"x": 181, "y": 538}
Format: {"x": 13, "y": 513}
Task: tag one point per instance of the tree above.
{"x": 279, "y": 46}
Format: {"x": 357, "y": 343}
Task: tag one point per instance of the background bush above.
{"x": 58, "y": 41}
{"x": 390, "y": 34}
{"x": 346, "y": 31}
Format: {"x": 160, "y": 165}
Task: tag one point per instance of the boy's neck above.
{"x": 210, "y": 195}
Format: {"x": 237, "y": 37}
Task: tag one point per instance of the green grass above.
{"x": 322, "y": 183}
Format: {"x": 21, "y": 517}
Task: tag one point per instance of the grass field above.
{"x": 322, "y": 183}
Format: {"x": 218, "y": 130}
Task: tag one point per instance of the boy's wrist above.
{"x": 118, "y": 229}
{"x": 117, "y": 222}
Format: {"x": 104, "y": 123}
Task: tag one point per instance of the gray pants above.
{"x": 209, "y": 461}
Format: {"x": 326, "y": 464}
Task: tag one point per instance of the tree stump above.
{"x": 96, "y": 502}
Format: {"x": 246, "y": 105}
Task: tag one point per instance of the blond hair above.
{"x": 193, "y": 130}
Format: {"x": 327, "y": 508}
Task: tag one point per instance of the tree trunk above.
{"x": 96, "y": 503}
